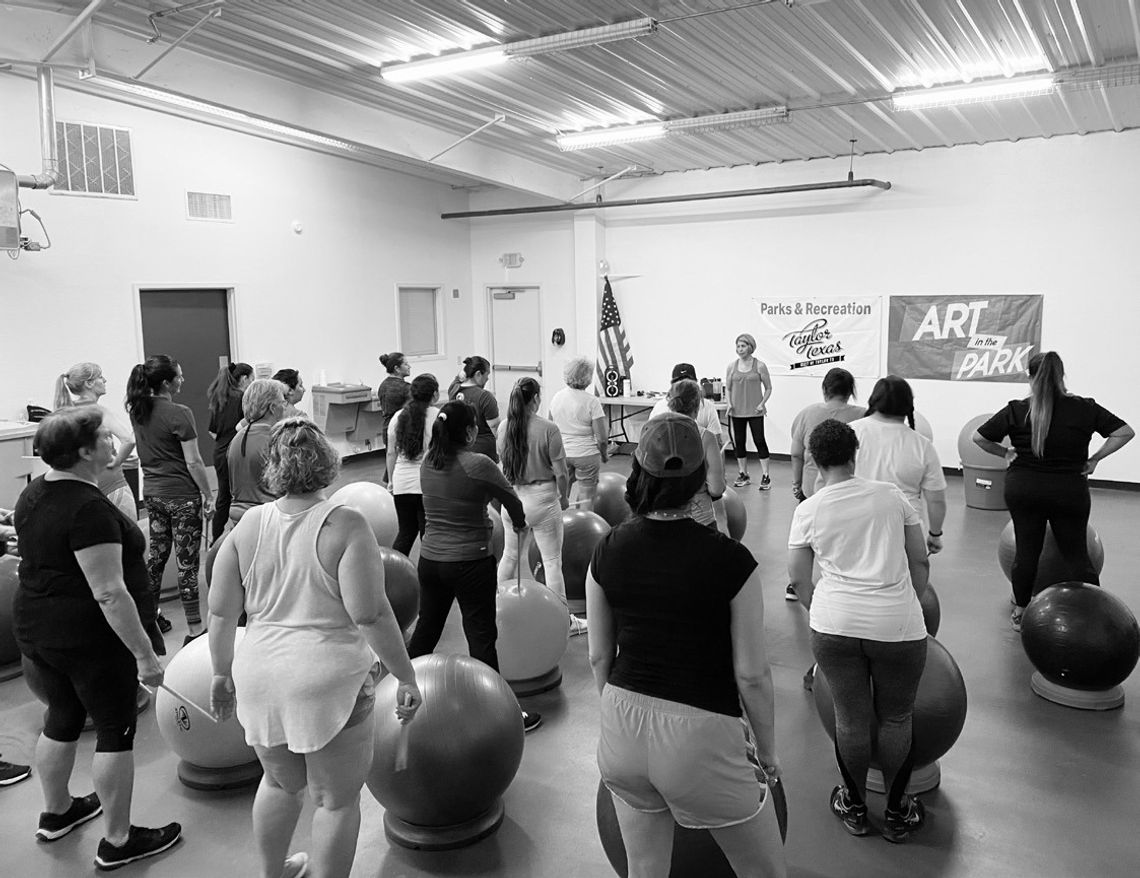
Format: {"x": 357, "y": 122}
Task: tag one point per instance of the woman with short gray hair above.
{"x": 578, "y": 415}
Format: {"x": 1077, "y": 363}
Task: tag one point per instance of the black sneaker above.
{"x": 164, "y": 624}
{"x": 11, "y": 773}
{"x": 186, "y": 640}
{"x": 765, "y": 483}
{"x": 854, "y": 817}
{"x": 141, "y": 843}
{"x": 53, "y": 826}
{"x": 809, "y": 678}
{"x": 900, "y": 824}
{"x": 531, "y": 720}
{"x": 790, "y": 593}
{"x": 742, "y": 481}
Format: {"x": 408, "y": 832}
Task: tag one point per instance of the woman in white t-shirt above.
{"x": 407, "y": 439}
{"x": 578, "y": 415}
{"x": 867, "y": 632}
{"x": 891, "y": 450}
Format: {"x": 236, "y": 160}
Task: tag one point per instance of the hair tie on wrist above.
{"x": 933, "y": 534}
{"x": 442, "y": 416}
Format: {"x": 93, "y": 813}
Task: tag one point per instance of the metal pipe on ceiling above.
{"x": 670, "y": 199}
{"x": 75, "y": 25}
{"x": 50, "y": 175}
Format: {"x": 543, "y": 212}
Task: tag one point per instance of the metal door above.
{"x": 516, "y": 344}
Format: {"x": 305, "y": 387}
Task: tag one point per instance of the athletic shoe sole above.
{"x": 49, "y": 835}
{"x": 8, "y": 781}
{"x": 105, "y": 866}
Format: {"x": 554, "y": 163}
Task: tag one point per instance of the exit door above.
{"x": 193, "y": 328}
{"x": 516, "y": 344}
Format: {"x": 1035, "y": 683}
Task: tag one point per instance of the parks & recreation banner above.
{"x": 963, "y": 338}
{"x": 807, "y": 335}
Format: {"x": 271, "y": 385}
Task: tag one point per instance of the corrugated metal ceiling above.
{"x": 832, "y": 63}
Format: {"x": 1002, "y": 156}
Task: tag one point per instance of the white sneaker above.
{"x": 578, "y": 625}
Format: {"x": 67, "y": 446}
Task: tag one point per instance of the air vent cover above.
{"x": 94, "y": 160}
{"x": 208, "y": 206}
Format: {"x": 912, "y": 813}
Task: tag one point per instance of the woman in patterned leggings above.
{"x": 174, "y": 479}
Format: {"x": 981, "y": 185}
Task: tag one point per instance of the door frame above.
{"x": 489, "y": 319}
{"x": 231, "y": 312}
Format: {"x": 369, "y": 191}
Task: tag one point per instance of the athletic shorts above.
{"x": 584, "y": 469}
{"x": 657, "y": 755}
{"x": 365, "y": 698}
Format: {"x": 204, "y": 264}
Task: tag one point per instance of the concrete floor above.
{"x": 1030, "y": 789}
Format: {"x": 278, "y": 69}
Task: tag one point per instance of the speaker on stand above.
{"x": 613, "y": 383}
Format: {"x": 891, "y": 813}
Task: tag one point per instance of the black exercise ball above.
{"x": 1080, "y": 636}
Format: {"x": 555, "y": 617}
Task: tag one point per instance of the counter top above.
{"x": 17, "y": 429}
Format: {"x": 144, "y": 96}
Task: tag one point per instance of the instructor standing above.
{"x": 748, "y": 385}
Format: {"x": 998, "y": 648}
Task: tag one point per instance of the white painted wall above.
{"x": 1055, "y": 217}
{"x": 321, "y": 300}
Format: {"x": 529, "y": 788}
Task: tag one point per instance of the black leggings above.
{"x": 473, "y": 584}
{"x": 224, "y": 498}
{"x": 1060, "y": 500}
{"x": 100, "y": 681}
{"x": 740, "y": 428}
{"x": 410, "y": 517}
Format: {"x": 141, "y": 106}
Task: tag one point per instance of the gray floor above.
{"x": 1030, "y": 789}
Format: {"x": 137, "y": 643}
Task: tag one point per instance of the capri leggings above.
{"x": 1060, "y": 500}
{"x": 872, "y": 679}
{"x": 740, "y": 428}
{"x": 97, "y": 681}
{"x": 176, "y": 523}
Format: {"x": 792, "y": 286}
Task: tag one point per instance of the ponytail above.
{"x": 449, "y": 433}
{"x": 226, "y": 385}
{"x": 145, "y": 380}
{"x": 62, "y": 393}
{"x": 1046, "y": 383}
{"x": 516, "y": 446}
{"x": 410, "y": 427}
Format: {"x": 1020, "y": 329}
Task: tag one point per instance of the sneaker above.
{"x": 809, "y": 678}
{"x": 765, "y": 483}
{"x": 141, "y": 843}
{"x": 186, "y": 640}
{"x": 164, "y": 624}
{"x": 790, "y": 593}
{"x": 578, "y": 625}
{"x": 53, "y": 826}
{"x": 11, "y": 773}
{"x": 899, "y": 824}
{"x": 742, "y": 481}
{"x": 854, "y": 817}
{"x": 1015, "y": 618}
{"x": 296, "y": 866}
{"x": 531, "y": 720}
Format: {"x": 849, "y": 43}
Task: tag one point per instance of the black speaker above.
{"x": 613, "y": 383}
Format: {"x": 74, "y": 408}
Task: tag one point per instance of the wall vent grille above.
{"x": 94, "y": 160}
{"x": 209, "y": 206}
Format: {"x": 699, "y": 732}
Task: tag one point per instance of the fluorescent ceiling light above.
{"x": 460, "y": 62}
{"x": 445, "y": 65}
{"x": 652, "y": 130}
{"x": 974, "y": 93}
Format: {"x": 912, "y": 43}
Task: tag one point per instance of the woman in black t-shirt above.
{"x": 468, "y": 387}
{"x": 84, "y": 619}
{"x": 1047, "y": 482}
{"x": 676, "y": 644}
{"x": 224, "y": 394}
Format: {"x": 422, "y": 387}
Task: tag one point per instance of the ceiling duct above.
{"x": 50, "y": 175}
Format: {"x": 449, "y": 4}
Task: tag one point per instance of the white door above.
{"x": 516, "y": 343}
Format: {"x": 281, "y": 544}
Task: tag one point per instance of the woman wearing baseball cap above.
{"x": 676, "y": 645}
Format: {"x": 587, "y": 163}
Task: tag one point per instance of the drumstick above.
{"x": 401, "y": 760}
{"x": 185, "y": 700}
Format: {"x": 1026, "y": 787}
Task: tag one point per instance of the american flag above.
{"x": 613, "y": 349}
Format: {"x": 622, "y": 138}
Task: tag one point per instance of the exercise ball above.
{"x": 375, "y": 504}
{"x": 931, "y": 610}
{"x": 922, "y": 426}
{"x": 9, "y": 651}
{"x": 581, "y": 533}
{"x": 970, "y": 454}
{"x": 1080, "y": 637}
{"x": 735, "y": 513}
{"x": 695, "y": 852}
{"x": 214, "y": 755}
{"x": 441, "y": 777}
{"x": 609, "y": 500}
{"x": 939, "y": 715}
{"x": 1051, "y": 567}
{"x": 533, "y": 630}
{"x": 497, "y": 537}
{"x": 402, "y": 586}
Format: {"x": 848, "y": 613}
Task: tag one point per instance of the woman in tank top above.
{"x": 305, "y": 571}
{"x": 748, "y": 386}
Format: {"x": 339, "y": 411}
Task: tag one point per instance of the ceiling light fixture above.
{"x": 973, "y": 93}
{"x": 652, "y": 130}
{"x": 489, "y": 56}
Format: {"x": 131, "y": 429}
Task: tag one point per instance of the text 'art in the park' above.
{"x": 963, "y": 338}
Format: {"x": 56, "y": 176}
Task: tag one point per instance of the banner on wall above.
{"x": 963, "y": 338}
{"x": 807, "y": 335}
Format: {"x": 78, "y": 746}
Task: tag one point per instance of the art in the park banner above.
{"x": 807, "y": 335}
{"x": 963, "y": 338}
